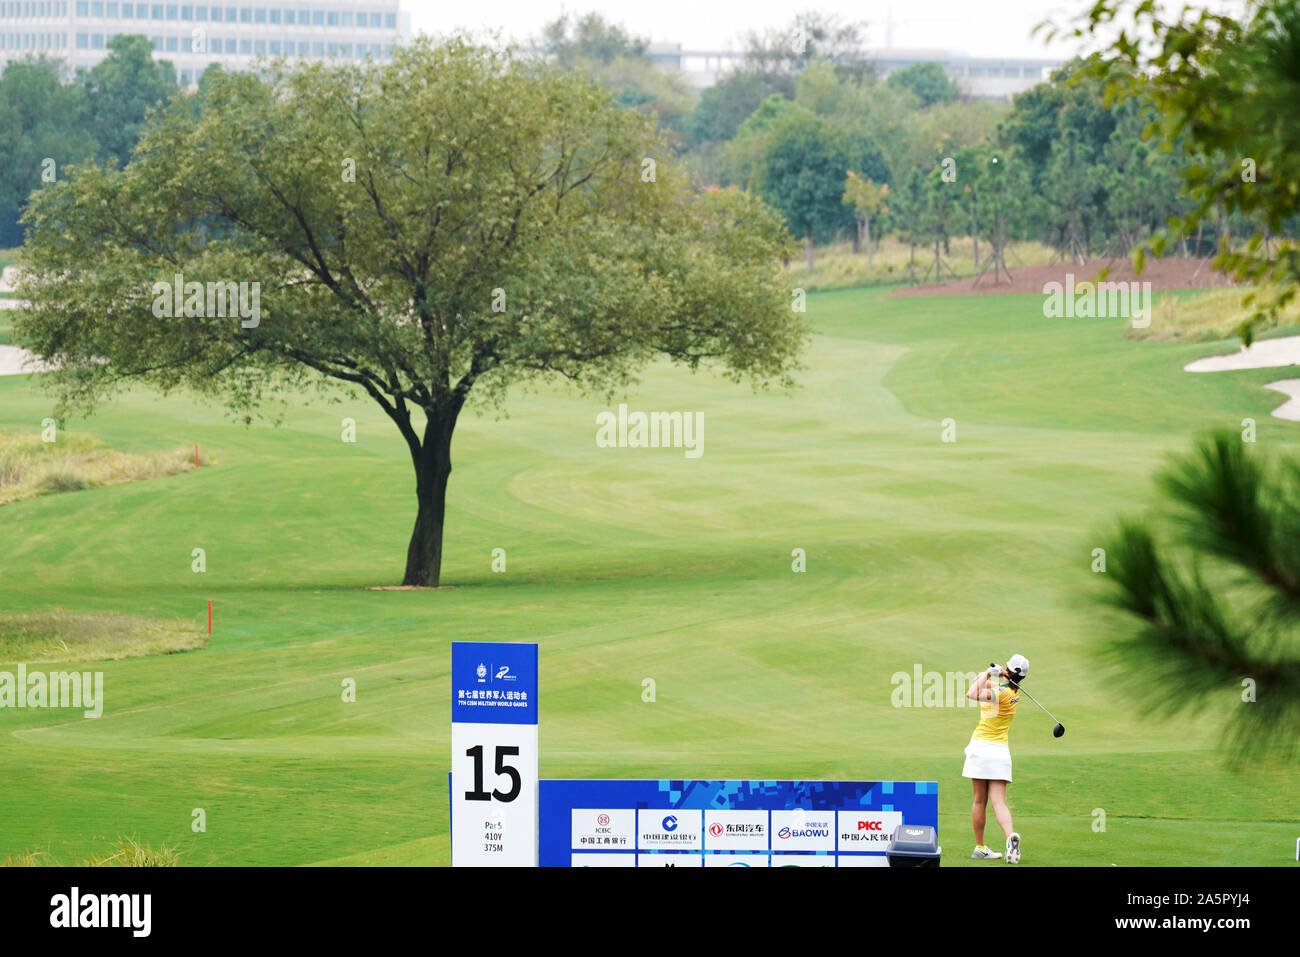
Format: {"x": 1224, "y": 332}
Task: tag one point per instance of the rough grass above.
{"x": 63, "y": 636}
{"x": 127, "y": 852}
{"x": 1208, "y": 316}
{"x": 837, "y": 266}
{"x": 30, "y": 467}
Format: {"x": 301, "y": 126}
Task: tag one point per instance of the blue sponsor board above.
{"x": 679, "y": 823}
{"x": 493, "y": 682}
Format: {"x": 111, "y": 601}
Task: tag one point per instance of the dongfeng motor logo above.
{"x": 715, "y": 829}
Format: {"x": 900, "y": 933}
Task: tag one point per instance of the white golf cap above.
{"x": 1019, "y": 664}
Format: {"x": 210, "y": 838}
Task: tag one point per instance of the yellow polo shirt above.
{"x": 995, "y": 717}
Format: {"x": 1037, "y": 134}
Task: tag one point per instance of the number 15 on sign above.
{"x": 494, "y": 712}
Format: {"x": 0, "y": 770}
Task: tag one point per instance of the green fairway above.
{"x": 626, "y": 564}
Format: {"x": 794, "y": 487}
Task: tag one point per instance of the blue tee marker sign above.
{"x": 494, "y": 712}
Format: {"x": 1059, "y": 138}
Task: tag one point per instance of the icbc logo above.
{"x": 715, "y": 829}
{"x": 869, "y": 825}
{"x": 603, "y": 820}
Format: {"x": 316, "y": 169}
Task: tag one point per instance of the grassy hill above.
{"x": 633, "y": 563}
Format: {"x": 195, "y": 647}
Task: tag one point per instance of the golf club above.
{"x": 1056, "y": 731}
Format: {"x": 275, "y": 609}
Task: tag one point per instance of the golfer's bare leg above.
{"x": 980, "y": 789}
{"x": 998, "y": 798}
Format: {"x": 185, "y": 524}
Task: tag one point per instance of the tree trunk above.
{"x": 857, "y": 238}
{"x": 866, "y": 232}
{"x": 808, "y": 250}
{"x": 432, "y": 461}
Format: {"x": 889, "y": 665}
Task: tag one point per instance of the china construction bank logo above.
{"x": 679, "y": 829}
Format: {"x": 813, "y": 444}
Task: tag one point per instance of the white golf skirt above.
{"x": 988, "y": 760}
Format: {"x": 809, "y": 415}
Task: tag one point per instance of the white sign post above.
{"x": 494, "y": 712}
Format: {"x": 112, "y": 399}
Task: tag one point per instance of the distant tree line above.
{"x": 805, "y": 121}
{"x": 50, "y": 124}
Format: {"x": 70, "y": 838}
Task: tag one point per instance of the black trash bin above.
{"x": 914, "y": 845}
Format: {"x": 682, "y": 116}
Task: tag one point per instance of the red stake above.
{"x": 196, "y": 455}
{"x": 209, "y": 616}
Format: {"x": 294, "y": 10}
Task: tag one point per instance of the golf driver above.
{"x": 1056, "y": 731}
{"x": 1019, "y": 666}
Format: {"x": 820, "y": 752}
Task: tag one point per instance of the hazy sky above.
{"x": 977, "y": 27}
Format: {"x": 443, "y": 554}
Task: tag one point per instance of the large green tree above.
{"x": 802, "y": 175}
{"x": 445, "y": 224}
{"x": 929, "y": 81}
{"x": 120, "y": 91}
{"x": 41, "y": 120}
{"x": 1225, "y": 90}
{"x": 616, "y": 60}
{"x": 726, "y": 104}
{"x": 1210, "y": 592}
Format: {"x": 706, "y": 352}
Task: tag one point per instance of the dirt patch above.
{"x": 408, "y": 587}
{"x": 1176, "y": 273}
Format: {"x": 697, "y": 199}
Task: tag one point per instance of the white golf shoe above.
{"x": 1013, "y": 848}
{"x": 983, "y": 852}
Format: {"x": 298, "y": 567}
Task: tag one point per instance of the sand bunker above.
{"x": 1265, "y": 354}
{"x": 1290, "y": 409}
{"x": 18, "y": 361}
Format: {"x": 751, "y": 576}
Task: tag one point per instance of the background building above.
{"x": 987, "y": 78}
{"x": 193, "y": 36}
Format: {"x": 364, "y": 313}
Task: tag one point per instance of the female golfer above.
{"x": 988, "y": 757}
